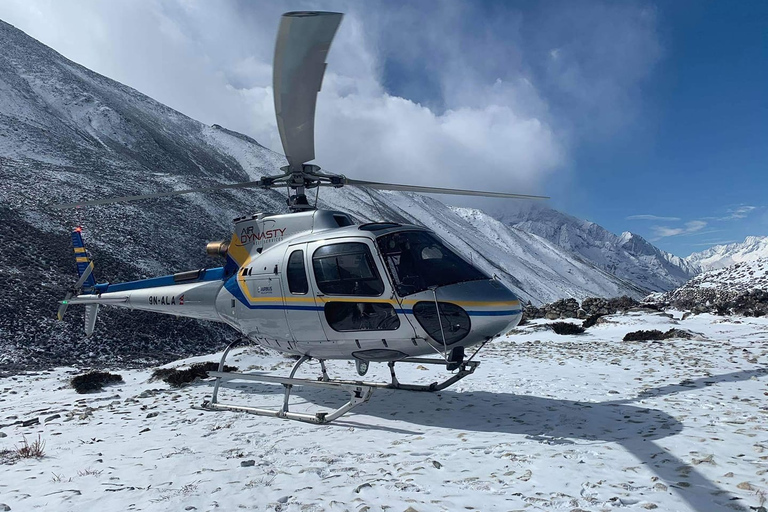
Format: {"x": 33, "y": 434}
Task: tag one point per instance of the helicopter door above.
{"x": 300, "y": 308}
{"x": 357, "y": 300}
{"x": 264, "y": 317}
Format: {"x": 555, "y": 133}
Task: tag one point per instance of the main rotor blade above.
{"x": 436, "y": 190}
{"x": 124, "y": 199}
{"x": 303, "y": 41}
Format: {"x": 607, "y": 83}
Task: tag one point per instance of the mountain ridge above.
{"x": 627, "y": 256}
{"x": 751, "y": 249}
{"x": 67, "y": 133}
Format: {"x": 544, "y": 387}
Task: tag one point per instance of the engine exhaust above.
{"x": 217, "y": 249}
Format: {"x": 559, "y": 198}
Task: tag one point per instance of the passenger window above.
{"x": 361, "y": 316}
{"x": 346, "y": 269}
{"x": 297, "y": 275}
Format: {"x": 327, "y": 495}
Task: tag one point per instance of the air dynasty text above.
{"x": 270, "y": 235}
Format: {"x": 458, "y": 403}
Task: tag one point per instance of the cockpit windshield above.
{"x": 418, "y": 260}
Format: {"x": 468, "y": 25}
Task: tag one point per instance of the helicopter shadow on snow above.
{"x": 550, "y": 421}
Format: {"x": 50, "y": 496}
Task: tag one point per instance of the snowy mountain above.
{"x": 67, "y": 133}
{"x": 741, "y": 288}
{"x": 627, "y": 256}
{"x": 751, "y": 249}
{"x": 739, "y": 277}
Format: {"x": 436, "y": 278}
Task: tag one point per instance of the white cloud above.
{"x": 491, "y": 108}
{"x": 716, "y": 242}
{"x": 738, "y": 213}
{"x": 691, "y": 227}
{"x": 651, "y": 217}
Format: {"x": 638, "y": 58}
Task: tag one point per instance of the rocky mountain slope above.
{"x": 740, "y": 289}
{"x": 67, "y": 133}
{"x": 752, "y": 248}
{"x": 627, "y": 256}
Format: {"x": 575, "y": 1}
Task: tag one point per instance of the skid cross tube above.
{"x": 359, "y": 394}
{"x": 359, "y": 391}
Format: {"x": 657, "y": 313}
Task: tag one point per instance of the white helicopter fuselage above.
{"x": 313, "y": 283}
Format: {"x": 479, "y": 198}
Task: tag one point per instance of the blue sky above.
{"x": 643, "y": 116}
{"x": 699, "y": 151}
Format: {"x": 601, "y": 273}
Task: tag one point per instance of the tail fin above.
{"x": 86, "y": 281}
{"x": 82, "y": 258}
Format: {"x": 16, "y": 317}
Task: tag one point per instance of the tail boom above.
{"x": 190, "y": 294}
{"x": 193, "y": 300}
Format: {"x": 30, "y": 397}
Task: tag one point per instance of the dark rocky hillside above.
{"x": 740, "y": 289}
{"x": 69, "y": 134}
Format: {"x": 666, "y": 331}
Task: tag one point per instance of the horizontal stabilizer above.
{"x": 95, "y": 299}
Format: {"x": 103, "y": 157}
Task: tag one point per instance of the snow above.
{"x": 547, "y": 422}
{"x": 751, "y": 249}
{"x": 627, "y": 257}
{"x": 739, "y": 277}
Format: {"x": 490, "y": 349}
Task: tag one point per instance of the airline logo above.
{"x": 248, "y": 236}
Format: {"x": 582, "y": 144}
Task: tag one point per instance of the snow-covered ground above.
{"x": 547, "y": 422}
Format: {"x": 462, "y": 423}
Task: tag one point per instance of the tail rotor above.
{"x": 86, "y": 281}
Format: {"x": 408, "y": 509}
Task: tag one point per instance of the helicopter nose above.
{"x": 493, "y": 309}
{"x": 490, "y": 308}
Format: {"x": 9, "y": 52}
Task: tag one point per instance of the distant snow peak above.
{"x": 627, "y": 257}
{"x": 751, "y": 249}
{"x": 742, "y": 276}
{"x": 741, "y": 288}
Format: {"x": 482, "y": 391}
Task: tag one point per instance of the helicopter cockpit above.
{"x": 418, "y": 261}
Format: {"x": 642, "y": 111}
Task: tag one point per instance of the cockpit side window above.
{"x": 297, "y": 274}
{"x": 346, "y": 269}
{"x": 418, "y": 260}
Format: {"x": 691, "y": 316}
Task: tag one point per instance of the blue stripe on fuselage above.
{"x": 233, "y": 287}
{"x": 208, "y": 274}
{"x": 477, "y": 313}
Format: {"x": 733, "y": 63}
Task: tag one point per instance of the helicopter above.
{"x": 314, "y": 283}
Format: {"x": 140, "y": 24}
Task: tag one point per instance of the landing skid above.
{"x": 359, "y": 391}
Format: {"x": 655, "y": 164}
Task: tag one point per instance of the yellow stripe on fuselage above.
{"x": 82, "y": 259}
{"x": 407, "y": 302}
{"x": 79, "y": 249}
{"x": 238, "y": 253}
{"x": 394, "y": 303}
{"x": 476, "y": 303}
